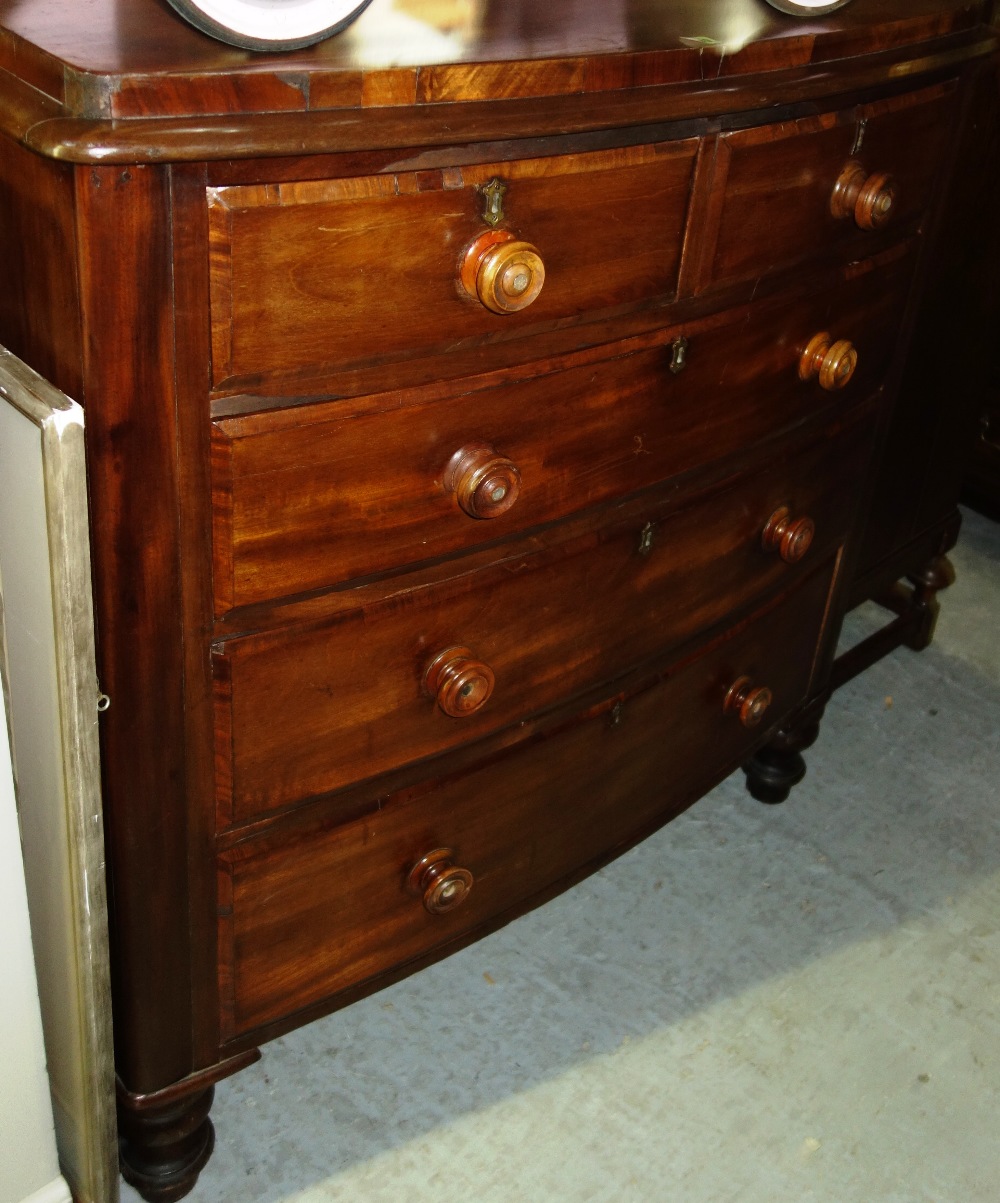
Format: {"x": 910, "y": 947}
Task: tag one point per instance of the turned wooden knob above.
{"x": 832, "y": 362}
{"x": 440, "y": 884}
{"x": 459, "y": 683}
{"x": 485, "y": 483}
{"x": 869, "y": 199}
{"x": 790, "y": 537}
{"x": 747, "y": 701}
{"x": 502, "y": 272}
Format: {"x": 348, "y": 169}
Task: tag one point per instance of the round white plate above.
{"x": 807, "y": 8}
{"x": 270, "y": 24}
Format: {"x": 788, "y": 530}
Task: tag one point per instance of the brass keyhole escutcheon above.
{"x": 493, "y": 194}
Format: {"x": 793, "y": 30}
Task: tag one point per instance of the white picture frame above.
{"x": 270, "y": 24}
{"x": 50, "y": 682}
{"x": 807, "y": 8}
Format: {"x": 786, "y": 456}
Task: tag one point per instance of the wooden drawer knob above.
{"x": 485, "y": 483}
{"x": 459, "y": 683}
{"x": 438, "y": 882}
{"x": 869, "y": 199}
{"x": 502, "y": 272}
{"x": 790, "y": 537}
{"x": 832, "y": 362}
{"x": 747, "y": 701}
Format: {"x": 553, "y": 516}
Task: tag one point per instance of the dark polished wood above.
{"x": 158, "y": 65}
{"x": 759, "y": 181}
{"x": 293, "y": 288}
{"x": 506, "y": 822}
{"x": 581, "y": 432}
{"x": 294, "y": 703}
{"x": 483, "y": 453}
{"x": 982, "y": 481}
{"x": 164, "y": 1147}
{"x": 776, "y": 768}
{"x": 979, "y": 263}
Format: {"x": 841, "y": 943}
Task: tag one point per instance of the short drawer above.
{"x": 305, "y": 919}
{"x": 324, "y": 494}
{"x": 313, "y": 276}
{"x": 305, "y": 711}
{"x": 778, "y": 182}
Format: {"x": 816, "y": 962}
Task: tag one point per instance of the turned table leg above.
{"x": 923, "y": 605}
{"x": 164, "y": 1148}
{"x": 778, "y": 766}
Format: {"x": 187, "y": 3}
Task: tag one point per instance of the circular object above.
{"x": 485, "y": 483}
{"x": 747, "y": 701}
{"x": 875, "y": 202}
{"x": 807, "y": 8}
{"x": 869, "y": 199}
{"x": 502, "y": 272}
{"x": 438, "y": 882}
{"x": 459, "y": 683}
{"x": 833, "y": 363}
{"x": 790, "y": 537}
{"x": 270, "y": 24}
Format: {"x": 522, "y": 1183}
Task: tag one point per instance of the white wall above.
{"x": 28, "y": 1166}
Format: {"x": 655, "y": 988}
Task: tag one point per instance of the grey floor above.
{"x": 758, "y": 1004}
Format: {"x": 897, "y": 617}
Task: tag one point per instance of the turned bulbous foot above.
{"x": 163, "y": 1149}
{"x": 772, "y": 773}
{"x": 778, "y": 766}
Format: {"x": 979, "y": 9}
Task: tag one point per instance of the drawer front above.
{"x": 325, "y": 494}
{"x": 331, "y": 911}
{"x": 303, "y": 712}
{"x": 777, "y": 182}
{"x": 309, "y": 277}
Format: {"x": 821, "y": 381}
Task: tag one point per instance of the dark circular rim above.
{"x": 800, "y": 10}
{"x": 191, "y": 13}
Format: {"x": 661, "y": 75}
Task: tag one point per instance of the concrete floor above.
{"x": 758, "y": 1004}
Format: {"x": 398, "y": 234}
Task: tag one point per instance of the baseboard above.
{"x": 56, "y": 1192}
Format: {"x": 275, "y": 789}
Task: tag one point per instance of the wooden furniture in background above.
{"x": 982, "y": 287}
{"x": 484, "y": 446}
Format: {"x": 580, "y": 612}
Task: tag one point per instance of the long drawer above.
{"x": 307, "y": 710}
{"x": 323, "y": 494}
{"x": 303, "y": 919}
{"x": 310, "y": 276}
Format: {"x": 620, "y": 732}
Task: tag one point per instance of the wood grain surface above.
{"x": 249, "y": 270}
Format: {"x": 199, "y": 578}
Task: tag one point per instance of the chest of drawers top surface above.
{"x": 95, "y": 70}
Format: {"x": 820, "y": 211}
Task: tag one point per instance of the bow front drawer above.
{"x": 307, "y": 278}
{"x": 306, "y": 710}
{"x": 306, "y": 918}
{"x": 321, "y": 494}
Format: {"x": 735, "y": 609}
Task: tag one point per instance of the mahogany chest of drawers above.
{"x": 480, "y": 441}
